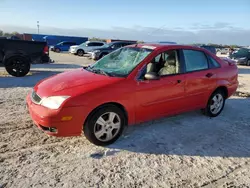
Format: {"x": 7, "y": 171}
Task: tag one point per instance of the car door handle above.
{"x": 178, "y": 81}
{"x": 209, "y": 75}
{"x": 175, "y": 82}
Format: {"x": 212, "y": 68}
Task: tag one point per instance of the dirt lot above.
{"x": 189, "y": 150}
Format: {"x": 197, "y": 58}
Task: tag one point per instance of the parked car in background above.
{"x": 17, "y": 55}
{"x": 242, "y": 56}
{"x": 52, "y": 40}
{"x": 224, "y": 50}
{"x": 85, "y": 47}
{"x": 98, "y": 53}
{"x": 209, "y": 48}
{"x": 62, "y": 46}
{"x": 131, "y": 85}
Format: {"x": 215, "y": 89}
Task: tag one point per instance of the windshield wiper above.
{"x": 97, "y": 71}
{"x": 100, "y": 72}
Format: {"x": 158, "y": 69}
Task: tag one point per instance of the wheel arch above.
{"x": 120, "y": 106}
{"x": 9, "y": 56}
{"x": 80, "y": 49}
{"x": 223, "y": 89}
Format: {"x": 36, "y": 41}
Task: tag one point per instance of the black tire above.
{"x": 207, "y": 111}
{"x": 248, "y": 62}
{"x": 17, "y": 66}
{"x": 57, "y": 50}
{"x": 80, "y": 52}
{"x": 90, "y": 124}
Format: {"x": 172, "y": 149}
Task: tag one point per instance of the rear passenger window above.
{"x": 213, "y": 62}
{"x": 195, "y": 60}
{"x": 99, "y": 44}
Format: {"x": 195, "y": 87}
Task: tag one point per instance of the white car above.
{"x": 85, "y": 47}
{"x": 224, "y": 51}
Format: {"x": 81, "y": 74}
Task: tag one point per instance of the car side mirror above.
{"x": 151, "y": 76}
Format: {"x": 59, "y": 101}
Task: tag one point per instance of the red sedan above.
{"x": 131, "y": 85}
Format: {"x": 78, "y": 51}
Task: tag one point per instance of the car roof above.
{"x": 95, "y": 41}
{"x": 115, "y": 42}
{"x": 159, "y": 46}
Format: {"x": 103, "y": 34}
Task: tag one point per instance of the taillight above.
{"x": 46, "y": 49}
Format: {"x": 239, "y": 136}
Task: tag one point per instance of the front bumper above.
{"x": 53, "y": 122}
{"x": 93, "y": 55}
{"x": 241, "y": 61}
{"x": 73, "y": 51}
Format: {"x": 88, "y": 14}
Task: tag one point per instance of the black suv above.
{"x": 98, "y": 53}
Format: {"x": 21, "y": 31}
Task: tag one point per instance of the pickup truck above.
{"x": 17, "y": 55}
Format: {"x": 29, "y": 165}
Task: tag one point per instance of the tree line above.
{"x": 7, "y": 34}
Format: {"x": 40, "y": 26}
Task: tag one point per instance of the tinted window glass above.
{"x": 69, "y": 43}
{"x": 126, "y": 44}
{"x": 98, "y": 44}
{"x": 118, "y": 45}
{"x": 91, "y": 44}
{"x": 195, "y": 60}
{"x": 213, "y": 62}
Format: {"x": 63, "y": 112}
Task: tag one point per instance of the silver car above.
{"x": 85, "y": 47}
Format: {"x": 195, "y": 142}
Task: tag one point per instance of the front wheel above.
{"x": 80, "y": 52}
{"x": 105, "y": 125}
{"x": 215, "y": 104}
{"x": 57, "y": 50}
{"x": 248, "y": 62}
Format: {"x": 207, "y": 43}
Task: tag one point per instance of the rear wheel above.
{"x": 17, "y": 66}
{"x": 215, "y": 104}
{"x": 80, "y": 52}
{"x": 105, "y": 125}
{"x": 57, "y": 50}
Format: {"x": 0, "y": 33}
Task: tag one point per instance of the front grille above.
{"x": 35, "y": 98}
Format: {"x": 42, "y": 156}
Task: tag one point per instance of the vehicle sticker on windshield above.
{"x": 149, "y": 47}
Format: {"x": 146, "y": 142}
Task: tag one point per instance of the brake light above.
{"x": 46, "y": 49}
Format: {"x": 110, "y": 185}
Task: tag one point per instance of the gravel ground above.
{"x": 188, "y": 150}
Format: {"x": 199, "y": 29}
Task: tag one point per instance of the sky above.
{"x": 182, "y": 21}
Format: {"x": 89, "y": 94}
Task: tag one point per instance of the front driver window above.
{"x": 165, "y": 63}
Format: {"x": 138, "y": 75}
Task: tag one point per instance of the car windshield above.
{"x": 83, "y": 44}
{"x": 122, "y": 61}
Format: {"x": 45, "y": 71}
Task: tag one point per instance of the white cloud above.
{"x": 220, "y": 33}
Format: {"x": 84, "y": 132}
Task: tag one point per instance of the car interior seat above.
{"x": 169, "y": 66}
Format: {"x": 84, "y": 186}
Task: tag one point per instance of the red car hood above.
{"x": 63, "y": 83}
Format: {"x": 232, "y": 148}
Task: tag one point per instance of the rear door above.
{"x": 200, "y": 78}
{"x": 91, "y": 46}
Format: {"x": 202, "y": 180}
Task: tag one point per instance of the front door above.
{"x": 165, "y": 96}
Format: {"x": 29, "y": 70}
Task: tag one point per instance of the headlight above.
{"x": 96, "y": 51}
{"x": 242, "y": 58}
{"x": 53, "y": 102}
